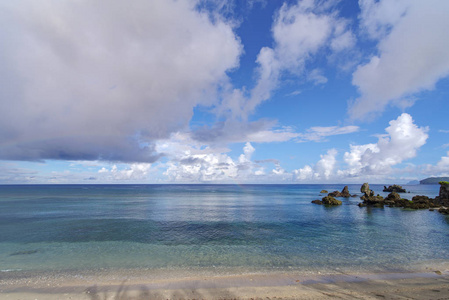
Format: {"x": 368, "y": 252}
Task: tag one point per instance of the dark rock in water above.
{"x": 365, "y": 188}
{"x": 394, "y": 188}
{"x": 324, "y": 192}
{"x": 377, "y": 201}
{"x": 369, "y": 199}
{"x": 334, "y": 194}
{"x": 444, "y": 190}
{"x": 444, "y": 210}
{"x": 353, "y": 196}
{"x": 421, "y": 199}
{"x": 344, "y": 193}
{"x": 319, "y": 202}
{"x": 417, "y": 202}
{"x": 329, "y": 200}
{"x": 392, "y": 198}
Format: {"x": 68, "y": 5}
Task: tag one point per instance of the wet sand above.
{"x": 429, "y": 284}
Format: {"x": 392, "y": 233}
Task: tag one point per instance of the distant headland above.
{"x": 433, "y": 180}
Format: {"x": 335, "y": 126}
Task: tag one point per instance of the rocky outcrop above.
{"x": 394, "y": 188}
{"x": 319, "y": 202}
{"x": 323, "y": 192}
{"x": 392, "y": 199}
{"x": 376, "y": 201}
{"x": 417, "y": 202}
{"x": 344, "y": 193}
{"x": 365, "y": 188}
{"x": 444, "y": 190}
{"x": 369, "y": 199}
{"x": 444, "y": 210}
{"x": 329, "y": 200}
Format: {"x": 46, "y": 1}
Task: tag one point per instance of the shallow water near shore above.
{"x": 252, "y": 228}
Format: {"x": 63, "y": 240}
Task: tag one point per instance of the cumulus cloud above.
{"x": 412, "y": 52}
{"x": 401, "y": 142}
{"x": 191, "y": 161}
{"x": 322, "y": 170}
{"x": 135, "y": 171}
{"x": 213, "y": 167}
{"x": 299, "y": 32}
{"x": 440, "y": 169}
{"x": 319, "y": 133}
{"x": 87, "y": 80}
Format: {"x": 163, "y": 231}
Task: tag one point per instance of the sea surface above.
{"x": 243, "y": 227}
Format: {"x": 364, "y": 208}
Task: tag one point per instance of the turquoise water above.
{"x": 252, "y": 227}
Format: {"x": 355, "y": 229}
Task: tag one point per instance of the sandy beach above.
{"x": 429, "y": 284}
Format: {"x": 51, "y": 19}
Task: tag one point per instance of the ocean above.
{"x": 244, "y": 228}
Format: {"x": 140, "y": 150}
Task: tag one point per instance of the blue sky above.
{"x": 161, "y": 91}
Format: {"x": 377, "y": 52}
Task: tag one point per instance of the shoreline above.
{"x": 427, "y": 283}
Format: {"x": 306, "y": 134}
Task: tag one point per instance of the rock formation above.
{"x": 329, "y": 200}
{"x": 365, "y": 188}
{"x": 344, "y": 193}
{"x": 444, "y": 210}
{"x": 444, "y": 190}
{"x": 319, "y": 202}
{"x": 369, "y": 199}
{"x": 377, "y": 201}
{"x": 392, "y": 199}
{"x": 323, "y": 192}
{"x": 394, "y": 188}
{"x": 417, "y": 202}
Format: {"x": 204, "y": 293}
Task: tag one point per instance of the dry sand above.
{"x": 431, "y": 284}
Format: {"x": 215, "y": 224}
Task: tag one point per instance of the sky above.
{"x": 214, "y": 91}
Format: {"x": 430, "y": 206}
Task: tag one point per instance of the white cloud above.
{"x": 213, "y": 167}
{"x": 318, "y": 133}
{"x": 440, "y": 169}
{"x": 192, "y": 162}
{"x": 378, "y": 17}
{"x": 299, "y": 31}
{"x": 231, "y": 131}
{"x": 412, "y": 52}
{"x": 135, "y": 171}
{"x": 402, "y": 141}
{"x": 345, "y": 40}
{"x": 316, "y": 77}
{"x": 443, "y": 164}
{"x": 88, "y": 80}
{"x": 322, "y": 170}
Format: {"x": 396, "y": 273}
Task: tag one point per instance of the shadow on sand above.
{"x": 142, "y": 292}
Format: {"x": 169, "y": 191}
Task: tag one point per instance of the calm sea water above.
{"x": 254, "y": 227}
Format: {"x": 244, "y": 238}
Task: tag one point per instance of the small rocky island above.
{"x": 330, "y": 198}
{"x": 393, "y": 199}
{"x": 418, "y": 202}
{"x": 394, "y": 188}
